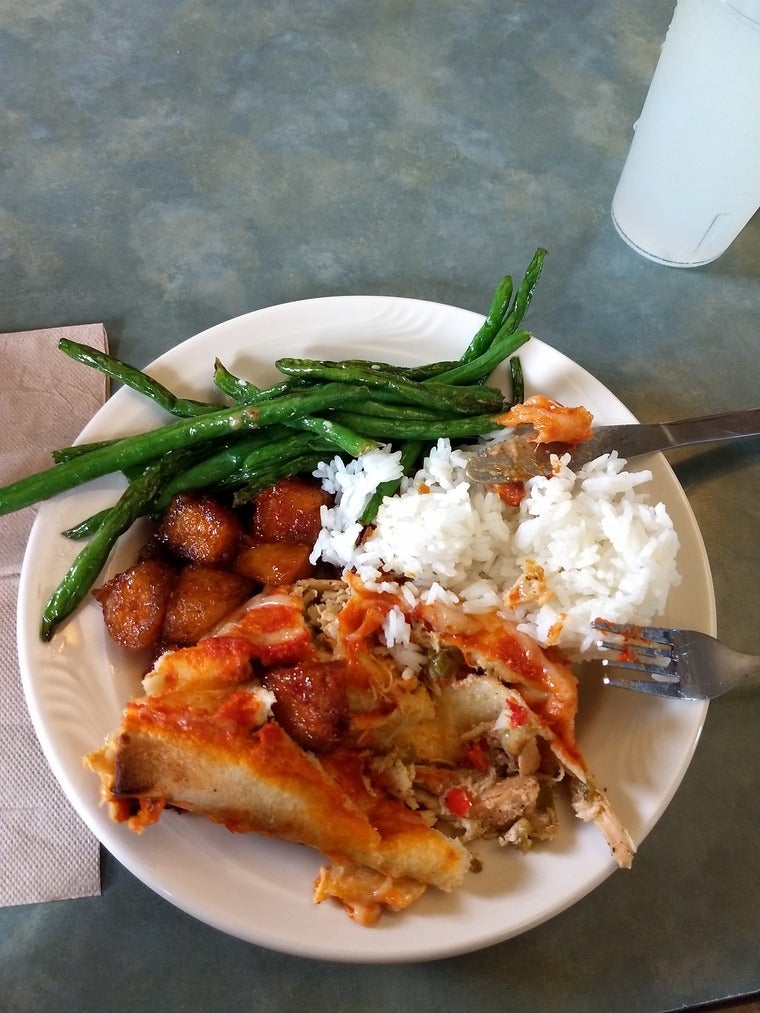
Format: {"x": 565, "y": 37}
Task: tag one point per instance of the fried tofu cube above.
{"x": 134, "y": 603}
{"x": 201, "y": 598}
{"x": 311, "y": 705}
{"x": 200, "y": 529}
{"x": 274, "y": 562}
{"x": 289, "y": 511}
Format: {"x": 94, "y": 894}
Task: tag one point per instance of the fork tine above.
{"x": 681, "y": 664}
{"x": 668, "y": 688}
{"x": 666, "y": 672}
{"x": 654, "y": 634}
{"x": 635, "y": 645}
{"x": 642, "y": 649}
{"x": 662, "y": 658}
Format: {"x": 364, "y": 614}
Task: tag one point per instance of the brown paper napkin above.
{"x": 46, "y": 852}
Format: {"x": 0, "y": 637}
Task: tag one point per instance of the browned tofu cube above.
{"x": 201, "y": 598}
{"x": 134, "y": 603}
{"x": 274, "y": 562}
{"x": 289, "y": 511}
{"x": 312, "y": 705}
{"x": 200, "y": 529}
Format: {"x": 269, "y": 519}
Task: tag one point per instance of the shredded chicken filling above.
{"x": 413, "y": 761}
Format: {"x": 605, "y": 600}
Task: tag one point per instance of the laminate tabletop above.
{"x": 165, "y": 167}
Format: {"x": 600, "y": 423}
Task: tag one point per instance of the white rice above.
{"x": 603, "y": 549}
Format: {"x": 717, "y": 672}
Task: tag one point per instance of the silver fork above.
{"x": 683, "y": 664}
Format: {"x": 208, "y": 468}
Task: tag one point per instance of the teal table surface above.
{"x": 166, "y": 166}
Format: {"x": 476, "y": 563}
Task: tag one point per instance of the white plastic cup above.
{"x": 691, "y": 181}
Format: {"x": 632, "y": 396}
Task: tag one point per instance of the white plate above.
{"x": 260, "y": 890}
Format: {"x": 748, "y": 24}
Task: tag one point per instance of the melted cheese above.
{"x": 206, "y": 738}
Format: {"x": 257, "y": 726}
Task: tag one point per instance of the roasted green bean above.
{"x": 136, "y": 379}
{"x": 318, "y": 410}
{"x": 90, "y": 561}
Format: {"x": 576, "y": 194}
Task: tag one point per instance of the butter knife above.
{"x": 516, "y": 458}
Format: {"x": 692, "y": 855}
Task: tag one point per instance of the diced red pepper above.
{"x": 477, "y": 756}
{"x": 458, "y": 801}
{"x": 510, "y": 493}
{"x": 518, "y": 715}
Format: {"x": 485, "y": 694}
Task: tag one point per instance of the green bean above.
{"x": 213, "y": 470}
{"x": 391, "y": 409}
{"x": 248, "y": 393}
{"x": 308, "y": 401}
{"x": 79, "y": 449}
{"x": 525, "y": 291}
{"x": 299, "y": 465}
{"x": 132, "y": 450}
{"x": 426, "y": 372}
{"x": 267, "y": 458}
{"x": 503, "y": 345}
{"x": 457, "y": 389}
{"x": 482, "y": 398}
{"x": 387, "y": 429}
{"x": 192, "y": 457}
{"x": 499, "y": 325}
{"x": 90, "y": 561}
{"x": 238, "y": 389}
{"x": 479, "y": 345}
{"x": 335, "y": 434}
{"x": 87, "y": 527}
{"x": 136, "y": 379}
{"x": 518, "y": 381}
{"x": 410, "y": 454}
{"x": 503, "y": 320}
{"x": 270, "y": 458}
{"x": 430, "y": 394}
{"x": 492, "y": 323}
{"x": 245, "y": 392}
{"x": 64, "y": 454}
{"x": 319, "y": 409}
{"x": 195, "y": 457}
{"x": 126, "y": 452}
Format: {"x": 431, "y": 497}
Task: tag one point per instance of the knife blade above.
{"x": 517, "y": 458}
